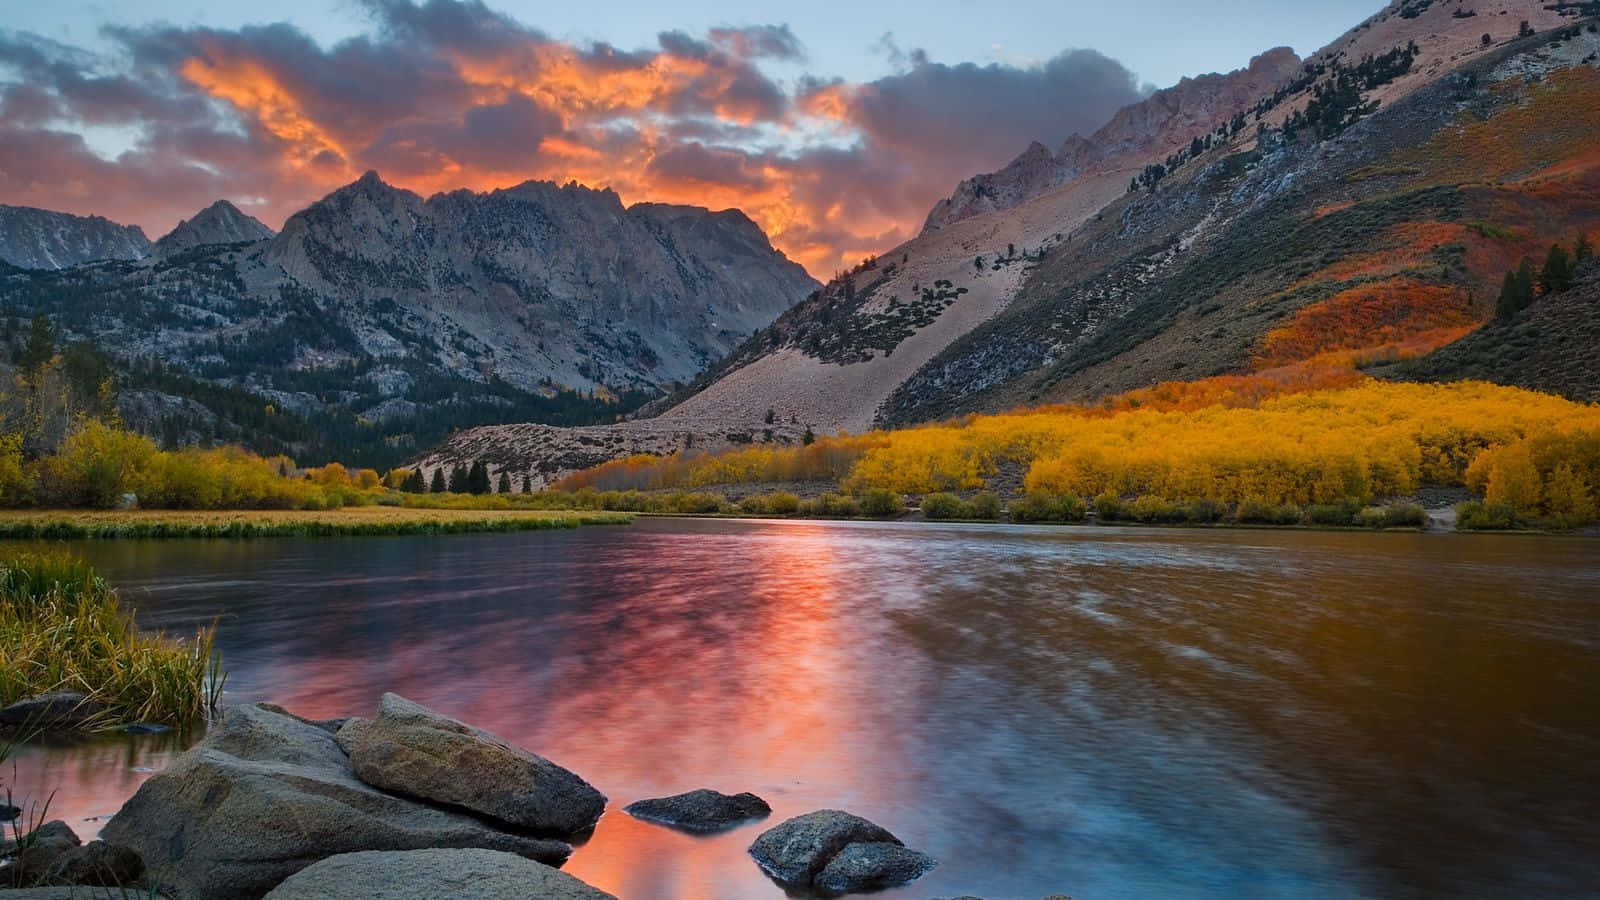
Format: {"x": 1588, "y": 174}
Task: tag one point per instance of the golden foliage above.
{"x": 1370, "y": 315}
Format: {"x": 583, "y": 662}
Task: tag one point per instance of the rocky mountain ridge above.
{"x": 377, "y": 320}
{"x": 43, "y": 239}
{"x": 219, "y": 223}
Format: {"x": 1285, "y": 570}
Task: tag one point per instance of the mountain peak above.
{"x": 44, "y": 239}
{"x": 219, "y": 223}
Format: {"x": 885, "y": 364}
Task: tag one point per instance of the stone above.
{"x": 432, "y": 874}
{"x": 267, "y": 794}
{"x": 144, "y": 728}
{"x": 96, "y": 863}
{"x": 412, "y": 750}
{"x": 37, "y": 852}
{"x": 795, "y": 851}
{"x": 57, "y": 709}
{"x": 872, "y": 866}
{"x": 9, "y": 813}
{"x": 702, "y": 811}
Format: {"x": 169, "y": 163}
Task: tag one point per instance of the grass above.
{"x": 63, "y": 629}
{"x": 362, "y": 520}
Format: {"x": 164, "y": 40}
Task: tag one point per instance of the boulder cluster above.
{"x": 406, "y": 804}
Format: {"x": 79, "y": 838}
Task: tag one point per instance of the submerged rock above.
{"x": 57, "y": 709}
{"x": 412, "y": 750}
{"x": 431, "y": 874}
{"x": 798, "y": 852}
{"x": 872, "y": 866}
{"x": 702, "y": 811}
{"x": 144, "y": 728}
{"x": 267, "y": 794}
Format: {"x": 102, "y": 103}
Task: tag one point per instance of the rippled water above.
{"x": 1096, "y": 712}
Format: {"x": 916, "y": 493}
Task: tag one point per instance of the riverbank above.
{"x": 349, "y": 521}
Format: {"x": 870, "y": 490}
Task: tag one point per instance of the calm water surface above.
{"x": 1096, "y": 712}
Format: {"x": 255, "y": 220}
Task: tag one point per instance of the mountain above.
{"x": 41, "y": 239}
{"x": 376, "y": 321}
{"x": 1163, "y": 122}
{"x": 1362, "y": 213}
{"x": 219, "y": 223}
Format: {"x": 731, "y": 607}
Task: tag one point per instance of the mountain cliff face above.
{"x": 219, "y": 223}
{"x": 540, "y": 283}
{"x": 377, "y": 320}
{"x": 1163, "y": 122}
{"x": 41, "y": 239}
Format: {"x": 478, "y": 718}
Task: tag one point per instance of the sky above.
{"x": 834, "y": 126}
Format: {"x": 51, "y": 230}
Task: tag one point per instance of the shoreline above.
{"x": 358, "y": 521}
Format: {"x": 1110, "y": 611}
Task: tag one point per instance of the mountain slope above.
{"x": 1388, "y": 239}
{"x": 219, "y": 223}
{"x": 41, "y": 239}
{"x": 376, "y": 321}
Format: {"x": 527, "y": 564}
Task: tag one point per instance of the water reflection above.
{"x": 1118, "y": 714}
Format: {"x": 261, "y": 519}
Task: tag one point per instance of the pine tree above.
{"x": 1556, "y": 276}
{"x": 504, "y": 487}
{"x": 40, "y": 346}
{"x": 527, "y": 484}
{"x": 1510, "y": 302}
{"x": 478, "y": 478}
{"x": 458, "y": 479}
{"x": 1582, "y": 251}
{"x": 1525, "y": 283}
{"x": 438, "y": 486}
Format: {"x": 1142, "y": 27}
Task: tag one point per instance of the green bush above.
{"x": 1108, "y": 507}
{"x": 782, "y": 503}
{"x": 984, "y": 506}
{"x": 834, "y": 506}
{"x": 1476, "y": 516}
{"x": 944, "y": 506}
{"x": 1047, "y": 508}
{"x": 1203, "y": 511}
{"x": 1153, "y": 510}
{"x": 1252, "y": 513}
{"x": 881, "y": 504}
{"x": 1334, "y": 514}
{"x": 753, "y": 505}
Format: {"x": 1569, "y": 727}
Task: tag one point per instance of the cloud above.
{"x": 446, "y": 94}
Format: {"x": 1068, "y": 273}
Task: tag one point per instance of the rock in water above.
{"x": 431, "y": 874}
{"x": 57, "y": 709}
{"x": 702, "y": 812}
{"x": 413, "y": 750}
{"x": 794, "y": 852}
{"x": 872, "y": 867}
{"x": 267, "y": 794}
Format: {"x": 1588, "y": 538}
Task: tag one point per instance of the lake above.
{"x": 1098, "y": 712}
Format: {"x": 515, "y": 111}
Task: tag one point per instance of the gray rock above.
{"x": 57, "y": 709}
{"x": 702, "y": 811}
{"x": 872, "y": 866}
{"x": 794, "y": 852}
{"x": 37, "y": 852}
{"x": 431, "y": 874}
{"x": 413, "y": 750}
{"x": 9, "y": 812}
{"x": 96, "y": 863}
{"x": 267, "y": 794}
{"x": 74, "y": 892}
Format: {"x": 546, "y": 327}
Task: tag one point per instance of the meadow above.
{"x": 349, "y": 521}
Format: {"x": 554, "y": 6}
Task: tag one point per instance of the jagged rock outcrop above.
{"x": 44, "y": 239}
{"x": 1162, "y": 122}
{"x": 219, "y": 223}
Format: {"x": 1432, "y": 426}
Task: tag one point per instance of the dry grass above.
{"x": 63, "y": 629}
{"x": 363, "y": 520}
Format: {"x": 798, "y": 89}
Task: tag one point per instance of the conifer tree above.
{"x": 1582, "y": 251}
{"x": 504, "y": 486}
{"x": 1510, "y": 302}
{"x": 478, "y": 478}
{"x": 1525, "y": 283}
{"x": 438, "y": 485}
{"x": 458, "y": 479}
{"x": 1556, "y": 276}
{"x": 527, "y": 484}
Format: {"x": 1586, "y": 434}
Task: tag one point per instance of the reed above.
{"x": 63, "y": 629}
